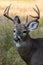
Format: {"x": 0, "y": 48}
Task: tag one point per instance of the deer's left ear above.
{"x": 33, "y": 25}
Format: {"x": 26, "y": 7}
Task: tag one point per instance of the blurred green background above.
{"x": 8, "y": 52}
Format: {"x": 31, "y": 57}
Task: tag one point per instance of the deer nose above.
{"x": 17, "y": 38}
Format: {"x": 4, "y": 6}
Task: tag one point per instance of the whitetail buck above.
{"x": 30, "y": 50}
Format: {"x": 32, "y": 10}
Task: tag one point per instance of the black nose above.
{"x": 16, "y": 39}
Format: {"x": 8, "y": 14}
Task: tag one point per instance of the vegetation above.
{"x": 17, "y": 0}
{"x": 8, "y": 51}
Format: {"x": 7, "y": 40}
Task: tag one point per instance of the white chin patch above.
{"x": 18, "y": 45}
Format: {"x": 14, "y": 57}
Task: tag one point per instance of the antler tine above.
{"x": 5, "y": 10}
{"x": 26, "y": 19}
{"x": 37, "y": 11}
{"x": 6, "y": 13}
{"x": 34, "y": 16}
{"x": 8, "y": 9}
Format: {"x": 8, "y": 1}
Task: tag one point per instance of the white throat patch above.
{"x": 18, "y": 45}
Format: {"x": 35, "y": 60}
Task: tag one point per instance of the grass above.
{"x": 9, "y": 54}
{"x": 8, "y": 51}
{"x": 17, "y": 0}
{"x": 23, "y": 8}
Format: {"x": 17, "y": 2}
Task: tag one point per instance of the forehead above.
{"x": 19, "y": 27}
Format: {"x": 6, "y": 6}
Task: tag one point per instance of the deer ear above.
{"x": 32, "y": 25}
{"x": 17, "y": 20}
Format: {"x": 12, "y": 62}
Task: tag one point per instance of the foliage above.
{"x": 8, "y": 51}
{"x": 17, "y": 0}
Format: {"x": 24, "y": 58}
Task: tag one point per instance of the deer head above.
{"x": 21, "y": 31}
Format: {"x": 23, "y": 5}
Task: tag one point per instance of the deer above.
{"x": 30, "y": 49}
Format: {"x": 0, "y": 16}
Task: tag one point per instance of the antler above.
{"x": 6, "y": 13}
{"x": 38, "y": 12}
{"x": 34, "y": 23}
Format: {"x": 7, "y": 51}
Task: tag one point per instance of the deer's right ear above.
{"x": 17, "y": 20}
{"x": 32, "y": 26}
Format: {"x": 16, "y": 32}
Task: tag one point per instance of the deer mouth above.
{"x": 17, "y": 39}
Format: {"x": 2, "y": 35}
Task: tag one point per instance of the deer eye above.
{"x": 15, "y": 30}
{"x": 24, "y": 31}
